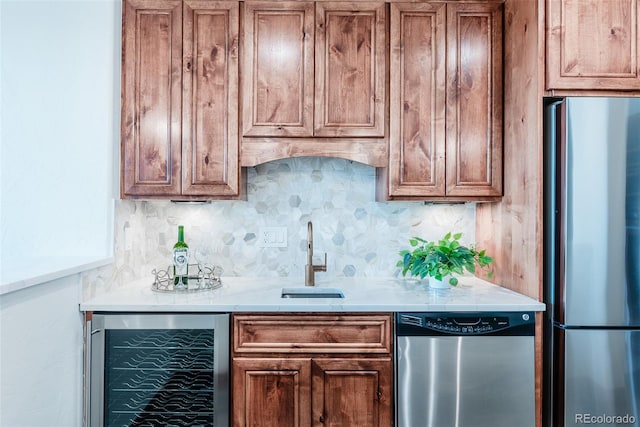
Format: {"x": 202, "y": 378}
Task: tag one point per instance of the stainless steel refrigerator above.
{"x": 592, "y": 262}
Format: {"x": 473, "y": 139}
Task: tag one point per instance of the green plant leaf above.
{"x": 441, "y": 258}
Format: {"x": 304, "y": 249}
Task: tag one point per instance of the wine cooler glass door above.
{"x": 153, "y": 370}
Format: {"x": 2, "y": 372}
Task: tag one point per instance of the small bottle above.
{"x": 180, "y": 261}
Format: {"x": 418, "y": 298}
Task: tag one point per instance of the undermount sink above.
{"x": 311, "y": 292}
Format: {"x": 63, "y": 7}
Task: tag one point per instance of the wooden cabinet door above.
{"x": 350, "y": 69}
{"x": 271, "y": 392}
{"x": 210, "y": 98}
{"x": 352, "y": 392}
{"x": 474, "y": 99}
{"x": 151, "y": 97}
{"x": 277, "y": 78}
{"x": 592, "y": 44}
{"x": 417, "y": 99}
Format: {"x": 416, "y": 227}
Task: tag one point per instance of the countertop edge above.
{"x": 315, "y": 308}
{"x": 61, "y": 268}
{"x": 262, "y": 295}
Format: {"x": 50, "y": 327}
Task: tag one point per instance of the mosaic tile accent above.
{"x": 361, "y": 237}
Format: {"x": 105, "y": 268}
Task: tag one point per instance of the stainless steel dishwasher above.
{"x": 465, "y": 369}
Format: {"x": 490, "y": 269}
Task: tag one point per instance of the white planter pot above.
{"x": 440, "y": 284}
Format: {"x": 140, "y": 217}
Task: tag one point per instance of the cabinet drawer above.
{"x": 312, "y": 333}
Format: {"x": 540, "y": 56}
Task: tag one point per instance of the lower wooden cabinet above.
{"x": 351, "y": 392}
{"x": 301, "y": 383}
{"x": 273, "y": 392}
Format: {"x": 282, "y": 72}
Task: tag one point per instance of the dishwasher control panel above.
{"x": 506, "y": 323}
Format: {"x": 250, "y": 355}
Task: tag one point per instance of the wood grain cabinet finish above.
{"x": 418, "y": 99}
{"x": 474, "y": 99}
{"x": 355, "y": 334}
{"x": 351, "y": 392}
{"x": 350, "y": 69}
{"x": 278, "y": 69}
{"x": 445, "y": 102}
{"x": 179, "y": 99}
{"x": 313, "y": 81}
{"x": 312, "y": 370}
{"x": 592, "y": 44}
{"x": 272, "y": 392}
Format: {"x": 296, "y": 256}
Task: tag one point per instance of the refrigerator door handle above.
{"x": 555, "y": 218}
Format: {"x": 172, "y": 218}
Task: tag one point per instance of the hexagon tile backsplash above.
{"x": 361, "y": 237}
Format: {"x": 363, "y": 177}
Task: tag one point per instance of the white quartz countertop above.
{"x": 244, "y": 294}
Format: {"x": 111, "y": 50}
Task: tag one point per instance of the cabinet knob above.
{"x": 322, "y": 418}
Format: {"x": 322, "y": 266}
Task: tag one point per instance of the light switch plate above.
{"x": 272, "y": 237}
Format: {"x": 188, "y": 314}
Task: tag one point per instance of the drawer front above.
{"x": 312, "y": 333}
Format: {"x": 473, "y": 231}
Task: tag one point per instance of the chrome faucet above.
{"x": 310, "y": 269}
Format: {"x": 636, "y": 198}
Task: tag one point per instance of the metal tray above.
{"x": 202, "y": 277}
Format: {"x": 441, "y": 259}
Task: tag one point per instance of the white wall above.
{"x": 59, "y": 109}
{"x": 41, "y": 356}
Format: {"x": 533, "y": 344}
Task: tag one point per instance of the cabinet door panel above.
{"x": 271, "y": 392}
{"x": 474, "y": 99}
{"x": 151, "y": 85}
{"x": 278, "y": 69}
{"x": 351, "y": 392}
{"x": 592, "y": 44}
{"x": 210, "y": 130}
{"x": 350, "y": 69}
{"x": 417, "y": 124}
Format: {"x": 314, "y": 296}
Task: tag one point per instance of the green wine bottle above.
{"x": 180, "y": 261}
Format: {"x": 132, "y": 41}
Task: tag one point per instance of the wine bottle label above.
{"x": 180, "y": 261}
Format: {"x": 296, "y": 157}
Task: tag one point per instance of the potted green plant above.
{"x": 440, "y": 260}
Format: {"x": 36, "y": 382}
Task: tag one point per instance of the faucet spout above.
{"x": 310, "y": 269}
{"x": 309, "y": 243}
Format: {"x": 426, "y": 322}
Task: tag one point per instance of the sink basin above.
{"x": 311, "y": 292}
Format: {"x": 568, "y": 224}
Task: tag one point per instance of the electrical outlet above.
{"x": 272, "y": 237}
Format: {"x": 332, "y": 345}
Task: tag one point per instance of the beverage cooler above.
{"x": 157, "y": 370}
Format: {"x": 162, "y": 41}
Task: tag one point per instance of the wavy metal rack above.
{"x": 201, "y": 277}
{"x": 160, "y": 378}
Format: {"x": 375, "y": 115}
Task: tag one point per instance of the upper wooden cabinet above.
{"x": 350, "y": 69}
{"x": 278, "y": 69}
{"x": 445, "y": 102}
{"x": 315, "y": 72}
{"x": 474, "y": 100}
{"x": 179, "y": 99}
{"x": 592, "y": 45}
